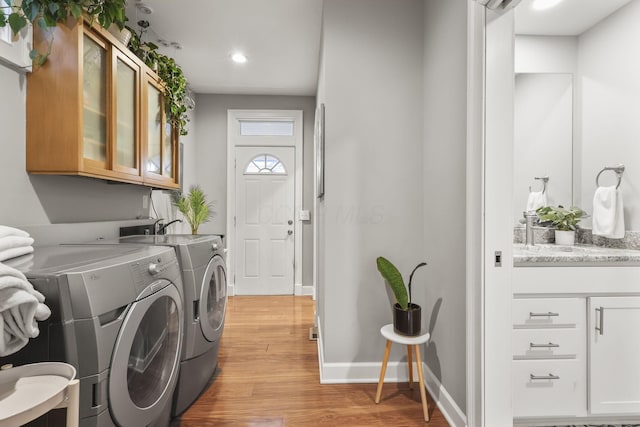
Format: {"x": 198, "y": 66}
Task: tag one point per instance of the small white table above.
{"x": 411, "y": 342}
{"x": 29, "y": 391}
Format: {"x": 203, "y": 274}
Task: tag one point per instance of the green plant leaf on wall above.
{"x": 394, "y": 279}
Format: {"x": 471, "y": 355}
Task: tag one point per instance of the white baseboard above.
{"x": 350, "y": 373}
{"x": 299, "y": 290}
{"x": 449, "y": 408}
{"x": 302, "y": 290}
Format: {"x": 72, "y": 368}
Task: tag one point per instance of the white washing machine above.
{"x": 202, "y": 264}
{"x": 117, "y": 317}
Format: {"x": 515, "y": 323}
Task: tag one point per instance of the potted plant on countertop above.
{"x": 48, "y": 13}
{"x": 194, "y": 207}
{"x": 564, "y": 220}
{"x": 407, "y": 316}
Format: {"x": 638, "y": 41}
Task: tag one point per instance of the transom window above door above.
{"x": 266, "y": 128}
{"x": 265, "y": 164}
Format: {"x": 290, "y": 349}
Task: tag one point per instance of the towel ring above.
{"x": 544, "y": 180}
{"x": 619, "y": 170}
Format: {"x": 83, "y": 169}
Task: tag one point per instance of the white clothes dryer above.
{"x": 117, "y": 317}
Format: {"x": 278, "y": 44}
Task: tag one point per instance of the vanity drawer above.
{"x": 558, "y": 388}
{"x": 548, "y": 343}
{"x": 548, "y": 312}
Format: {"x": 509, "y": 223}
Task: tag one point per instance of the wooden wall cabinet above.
{"x": 87, "y": 109}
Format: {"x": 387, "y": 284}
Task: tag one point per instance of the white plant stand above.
{"x": 29, "y": 391}
{"x": 413, "y": 344}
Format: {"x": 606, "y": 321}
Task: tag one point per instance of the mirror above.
{"x": 577, "y": 102}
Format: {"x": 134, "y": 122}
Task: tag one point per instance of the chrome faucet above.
{"x": 530, "y": 217}
{"x": 162, "y": 229}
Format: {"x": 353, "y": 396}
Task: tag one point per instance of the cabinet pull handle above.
{"x": 549, "y": 345}
{"x": 544, "y": 377}
{"x": 548, "y": 314}
{"x": 601, "y": 327}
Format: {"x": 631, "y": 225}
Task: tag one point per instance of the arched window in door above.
{"x": 265, "y": 164}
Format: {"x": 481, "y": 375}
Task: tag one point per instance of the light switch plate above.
{"x": 305, "y": 215}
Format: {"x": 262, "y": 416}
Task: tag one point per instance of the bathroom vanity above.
{"x": 576, "y": 335}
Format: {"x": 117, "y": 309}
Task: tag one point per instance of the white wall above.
{"x": 609, "y": 87}
{"x": 546, "y": 54}
{"x": 211, "y": 157}
{"x": 445, "y": 105}
{"x": 372, "y": 88}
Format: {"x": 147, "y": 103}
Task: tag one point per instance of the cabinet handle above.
{"x": 548, "y": 314}
{"x": 544, "y": 377}
{"x": 601, "y": 328}
{"x": 550, "y": 345}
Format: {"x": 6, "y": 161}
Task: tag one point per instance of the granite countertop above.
{"x": 551, "y": 255}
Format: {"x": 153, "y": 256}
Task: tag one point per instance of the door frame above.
{"x": 489, "y": 207}
{"x": 233, "y": 116}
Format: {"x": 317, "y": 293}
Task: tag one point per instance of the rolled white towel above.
{"x": 15, "y": 252}
{"x": 11, "y": 231}
{"x": 608, "y": 213}
{"x": 536, "y": 199}
{"x": 10, "y": 242}
{"x": 21, "y": 307}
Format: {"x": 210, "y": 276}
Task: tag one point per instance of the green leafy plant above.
{"x": 48, "y": 13}
{"x": 394, "y": 279}
{"x": 561, "y": 218}
{"x": 194, "y": 207}
{"x": 175, "y": 83}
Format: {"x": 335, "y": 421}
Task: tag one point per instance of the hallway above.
{"x": 268, "y": 376}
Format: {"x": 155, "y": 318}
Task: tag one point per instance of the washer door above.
{"x": 213, "y": 299}
{"x": 144, "y": 365}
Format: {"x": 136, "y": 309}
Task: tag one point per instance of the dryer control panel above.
{"x": 149, "y": 270}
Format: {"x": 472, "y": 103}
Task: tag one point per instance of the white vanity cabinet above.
{"x": 614, "y": 349}
{"x": 576, "y": 345}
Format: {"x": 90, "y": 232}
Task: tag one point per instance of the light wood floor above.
{"x": 268, "y": 376}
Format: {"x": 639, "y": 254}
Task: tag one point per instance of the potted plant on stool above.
{"x": 565, "y": 221}
{"x": 407, "y": 316}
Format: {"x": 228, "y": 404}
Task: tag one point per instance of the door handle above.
{"x": 289, "y": 232}
{"x": 600, "y": 328}
{"x": 290, "y": 222}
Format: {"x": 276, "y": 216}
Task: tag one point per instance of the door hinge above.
{"x": 234, "y": 221}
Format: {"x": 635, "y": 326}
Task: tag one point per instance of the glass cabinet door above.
{"x": 167, "y": 149}
{"x": 160, "y": 165}
{"x": 126, "y": 100}
{"x": 95, "y": 100}
{"x": 154, "y": 130}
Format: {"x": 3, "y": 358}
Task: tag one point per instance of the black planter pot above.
{"x": 407, "y": 322}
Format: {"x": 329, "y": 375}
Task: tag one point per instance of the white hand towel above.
{"x": 608, "y": 213}
{"x": 15, "y": 252}
{"x": 20, "y": 307}
{"x": 10, "y": 231}
{"x": 537, "y": 199}
{"x": 10, "y": 242}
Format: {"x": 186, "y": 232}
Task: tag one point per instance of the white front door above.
{"x": 265, "y": 189}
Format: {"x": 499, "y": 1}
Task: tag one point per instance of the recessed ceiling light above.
{"x": 239, "y": 58}
{"x": 544, "y": 4}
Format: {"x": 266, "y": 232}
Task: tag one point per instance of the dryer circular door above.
{"x": 144, "y": 364}
{"x": 213, "y": 299}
